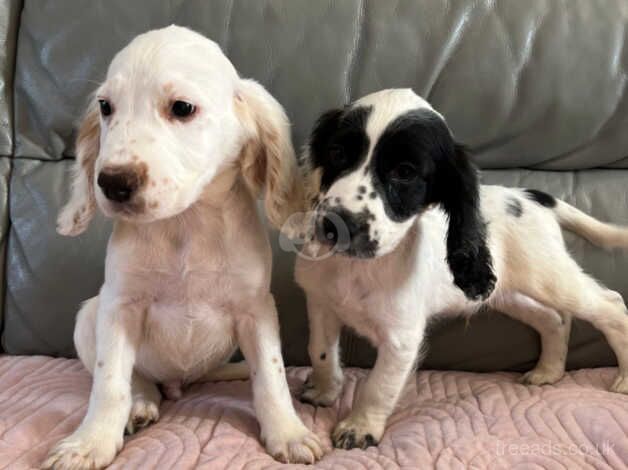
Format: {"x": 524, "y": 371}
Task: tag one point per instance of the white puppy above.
{"x": 175, "y": 147}
{"x": 395, "y": 195}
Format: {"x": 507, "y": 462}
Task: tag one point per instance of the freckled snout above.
{"x": 332, "y": 226}
{"x": 347, "y": 232}
{"x": 120, "y": 183}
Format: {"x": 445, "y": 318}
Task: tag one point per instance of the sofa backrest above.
{"x": 536, "y": 89}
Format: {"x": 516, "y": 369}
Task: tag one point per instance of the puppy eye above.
{"x": 404, "y": 173}
{"x": 182, "y": 109}
{"x": 105, "y": 108}
{"x": 337, "y": 155}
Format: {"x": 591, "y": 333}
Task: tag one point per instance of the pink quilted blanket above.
{"x": 445, "y": 420}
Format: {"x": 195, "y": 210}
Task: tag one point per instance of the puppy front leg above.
{"x": 285, "y": 436}
{"x": 325, "y": 382}
{"x": 375, "y": 401}
{"x": 100, "y": 436}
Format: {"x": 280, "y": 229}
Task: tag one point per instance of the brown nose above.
{"x": 118, "y": 184}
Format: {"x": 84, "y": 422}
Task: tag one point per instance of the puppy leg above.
{"x": 285, "y": 436}
{"x": 325, "y": 382}
{"x": 554, "y": 329}
{"x": 584, "y": 298}
{"x": 608, "y": 313}
{"x": 145, "y": 395}
{"x": 145, "y": 408}
{"x": 85, "y": 333}
{"x": 376, "y": 400}
{"x": 99, "y": 437}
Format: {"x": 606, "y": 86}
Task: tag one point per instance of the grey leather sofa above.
{"x": 535, "y": 88}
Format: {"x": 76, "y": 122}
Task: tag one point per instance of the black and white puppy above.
{"x": 407, "y": 233}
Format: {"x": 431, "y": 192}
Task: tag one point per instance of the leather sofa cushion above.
{"x": 537, "y": 84}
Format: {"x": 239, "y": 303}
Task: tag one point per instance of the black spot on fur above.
{"x": 373, "y": 195}
{"x": 339, "y": 142}
{"x": 323, "y": 356}
{"x": 514, "y": 206}
{"x": 546, "y": 200}
{"x": 361, "y": 189}
{"x": 359, "y": 197}
{"x": 337, "y": 200}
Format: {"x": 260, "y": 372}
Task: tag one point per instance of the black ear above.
{"x": 324, "y": 128}
{"x": 456, "y": 188}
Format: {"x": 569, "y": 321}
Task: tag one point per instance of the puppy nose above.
{"x": 118, "y": 185}
{"x": 329, "y": 230}
{"x": 336, "y": 227}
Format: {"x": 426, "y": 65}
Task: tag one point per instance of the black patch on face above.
{"x": 514, "y": 206}
{"x": 339, "y": 143}
{"x": 416, "y": 163}
{"x": 546, "y": 200}
{"x": 348, "y": 231}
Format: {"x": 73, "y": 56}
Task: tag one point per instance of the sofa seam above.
{"x": 355, "y": 49}
{"x": 5, "y": 249}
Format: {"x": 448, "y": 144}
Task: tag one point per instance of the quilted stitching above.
{"x": 445, "y": 420}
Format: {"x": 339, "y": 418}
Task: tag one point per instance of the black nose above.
{"x": 118, "y": 185}
{"x": 329, "y": 230}
{"x": 336, "y": 227}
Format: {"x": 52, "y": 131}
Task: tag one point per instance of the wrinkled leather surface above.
{"x": 5, "y": 169}
{"x": 48, "y": 275}
{"x": 537, "y": 84}
{"x": 9, "y": 11}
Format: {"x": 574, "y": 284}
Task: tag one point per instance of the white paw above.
{"x": 357, "y": 432}
{"x": 319, "y": 393}
{"x": 78, "y": 452}
{"x": 143, "y": 413}
{"x": 541, "y": 376}
{"x": 294, "y": 444}
{"x": 620, "y": 385}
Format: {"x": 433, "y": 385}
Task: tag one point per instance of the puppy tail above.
{"x": 228, "y": 371}
{"x": 599, "y": 233}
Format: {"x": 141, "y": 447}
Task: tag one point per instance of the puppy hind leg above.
{"x": 584, "y": 298}
{"x": 146, "y": 400}
{"x": 85, "y": 333}
{"x": 554, "y": 329}
{"x": 325, "y": 381}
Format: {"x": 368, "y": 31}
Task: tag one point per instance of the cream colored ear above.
{"x": 268, "y": 158}
{"x": 79, "y": 210}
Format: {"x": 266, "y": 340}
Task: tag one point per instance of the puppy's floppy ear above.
{"x": 268, "y": 159}
{"x": 309, "y": 161}
{"x": 456, "y": 188}
{"x": 79, "y": 210}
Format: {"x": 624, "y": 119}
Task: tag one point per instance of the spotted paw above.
{"x": 143, "y": 413}
{"x": 320, "y": 395}
{"x": 356, "y": 433}
{"x": 294, "y": 444}
{"x": 541, "y": 376}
